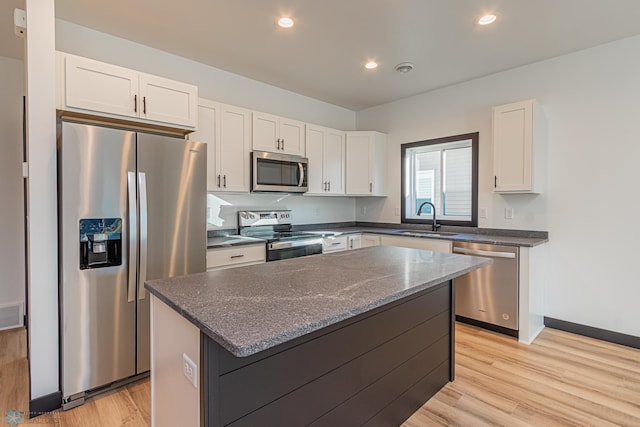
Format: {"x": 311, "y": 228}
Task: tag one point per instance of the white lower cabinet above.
{"x": 235, "y": 256}
{"x": 436, "y": 245}
{"x": 354, "y": 241}
{"x": 368, "y": 240}
{"x": 334, "y": 244}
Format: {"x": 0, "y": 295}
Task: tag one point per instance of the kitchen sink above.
{"x": 427, "y": 233}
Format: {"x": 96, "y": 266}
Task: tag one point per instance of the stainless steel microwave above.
{"x": 272, "y": 172}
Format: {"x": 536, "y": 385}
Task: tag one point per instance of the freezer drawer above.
{"x": 490, "y": 294}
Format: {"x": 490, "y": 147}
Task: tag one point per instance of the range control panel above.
{"x": 259, "y": 218}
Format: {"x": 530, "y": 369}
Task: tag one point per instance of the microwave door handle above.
{"x": 301, "y": 169}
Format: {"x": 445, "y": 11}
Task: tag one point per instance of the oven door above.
{"x": 285, "y": 250}
{"x": 278, "y": 172}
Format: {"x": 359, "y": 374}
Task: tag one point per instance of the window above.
{"x": 442, "y": 171}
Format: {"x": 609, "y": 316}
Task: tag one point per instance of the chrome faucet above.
{"x": 433, "y": 208}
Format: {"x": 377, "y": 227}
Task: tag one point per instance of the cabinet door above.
{"x": 234, "y": 149}
{"x": 512, "y": 147}
{"x": 359, "y": 148}
{"x": 292, "y": 140}
{"x": 354, "y": 241}
{"x": 168, "y": 101}
{"x": 315, "y": 143}
{"x": 369, "y": 240}
{"x": 209, "y": 133}
{"x": 95, "y": 86}
{"x": 334, "y": 162}
{"x": 265, "y": 133}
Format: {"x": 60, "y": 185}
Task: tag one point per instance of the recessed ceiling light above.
{"x": 285, "y": 22}
{"x": 371, "y": 65}
{"x": 487, "y": 19}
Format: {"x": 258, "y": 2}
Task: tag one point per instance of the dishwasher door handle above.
{"x": 484, "y": 253}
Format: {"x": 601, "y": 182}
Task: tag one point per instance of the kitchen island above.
{"x": 363, "y": 337}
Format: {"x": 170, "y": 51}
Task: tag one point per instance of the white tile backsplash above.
{"x": 222, "y": 208}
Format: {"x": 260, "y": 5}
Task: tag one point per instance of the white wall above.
{"x": 591, "y": 205}
{"x": 213, "y": 83}
{"x": 12, "y": 280}
{"x": 222, "y": 209}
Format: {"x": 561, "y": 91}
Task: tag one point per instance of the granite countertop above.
{"x": 232, "y": 240}
{"x": 250, "y": 309}
{"x": 457, "y": 236}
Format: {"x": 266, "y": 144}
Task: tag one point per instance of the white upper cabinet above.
{"x": 518, "y": 148}
{"x": 366, "y": 163}
{"x": 278, "y": 134}
{"x": 326, "y": 153}
{"x": 168, "y": 101}
{"x": 227, "y": 132}
{"x": 88, "y": 86}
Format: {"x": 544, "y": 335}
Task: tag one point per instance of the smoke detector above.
{"x": 404, "y": 67}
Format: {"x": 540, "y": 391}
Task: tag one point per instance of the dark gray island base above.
{"x": 358, "y": 338}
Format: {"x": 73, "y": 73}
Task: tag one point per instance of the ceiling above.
{"x": 323, "y": 55}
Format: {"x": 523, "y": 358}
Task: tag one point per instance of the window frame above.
{"x": 475, "y": 138}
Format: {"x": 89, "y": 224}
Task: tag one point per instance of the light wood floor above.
{"x": 560, "y": 380}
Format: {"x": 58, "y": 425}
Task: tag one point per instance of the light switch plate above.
{"x": 397, "y": 211}
{"x": 484, "y": 213}
{"x": 508, "y": 213}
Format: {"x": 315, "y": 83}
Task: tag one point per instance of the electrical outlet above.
{"x": 484, "y": 213}
{"x": 190, "y": 370}
{"x": 508, "y": 213}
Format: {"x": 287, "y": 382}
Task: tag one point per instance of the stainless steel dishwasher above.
{"x": 488, "y": 297}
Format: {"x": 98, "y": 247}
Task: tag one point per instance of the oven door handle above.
{"x": 301, "y": 169}
{"x": 294, "y": 244}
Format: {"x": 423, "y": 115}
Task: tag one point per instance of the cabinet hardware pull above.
{"x": 236, "y": 256}
{"x": 224, "y": 178}
{"x": 335, "y": 243}
{"x": 283, "y": 143}
{"x": 144, "y": 105}
{"x": 350, "y": 244}
{"x": 278, "y": 140}
{"x": 371, "y": 187}
{"x": 328, "y": 185}
{"x": 218, "y": 180}
{"x": 495, "y": 181}
{"x": 135, "y": 103}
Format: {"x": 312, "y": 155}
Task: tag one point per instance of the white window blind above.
{"x": 440, "y": 174}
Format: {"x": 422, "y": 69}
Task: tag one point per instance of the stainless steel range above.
{"x": 275, "y": 227}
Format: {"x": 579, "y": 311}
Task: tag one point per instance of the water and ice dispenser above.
{"x": 100, "y": 242}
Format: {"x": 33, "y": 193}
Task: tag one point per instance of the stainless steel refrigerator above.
{"x": 132, "y": 207}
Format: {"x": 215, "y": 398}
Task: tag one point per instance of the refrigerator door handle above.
{"x": 133, "y": 237}
{"x": 142, "y": 188}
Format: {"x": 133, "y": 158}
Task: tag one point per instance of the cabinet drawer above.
{"x": 334, "y": 244}
{"x": 246, "y": 254}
